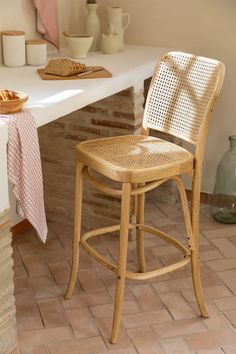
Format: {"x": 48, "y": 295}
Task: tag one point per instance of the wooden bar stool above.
{"x": 180, "y": 101}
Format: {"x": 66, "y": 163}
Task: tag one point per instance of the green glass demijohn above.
{"x": 223, "y": 200}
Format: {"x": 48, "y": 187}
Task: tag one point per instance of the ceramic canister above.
{"x": 13, "y": 48}
{"x": 36, "y": 51}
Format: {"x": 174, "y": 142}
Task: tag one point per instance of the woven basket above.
{"x": 13, "y": 106}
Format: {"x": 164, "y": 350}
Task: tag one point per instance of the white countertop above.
{"x": 49, "y": 100}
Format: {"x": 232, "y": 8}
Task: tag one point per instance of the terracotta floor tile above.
{"x": 90, "y": 280}
{"x": 15, "y": 351}
{"x": 216, "y": 319}
{"x": 99, "y": 311}
{"x": 152, "y": 261}
{"x": 105, "y": 273}
{"x": 153, "y": 212}
{"x": 85, "y": 263}
{"x": 170, "y": 209}
{"x": 210, "y": 255}
{"x": 227, "y": 248}
{"x": 160, "y": 314}
{"x": 20, "y": 272}
{"x": 35, "y": 265}
{"x": 145, "y": 341}
{"x": 60, "y": 271}
{"x": 52, "y": 313}
{"x": 112, "y": 289}
{"x": 180, "y": 328}
{"x": 173, "y": 285}
{"x": 29, "y": 248}
{"x": 146, "y": 318}
{"x": 176, "y": 346}
{"x": 53, "y": 245}
{"x": 105, "y": 325}
{"x": 229, "y": 278}
{"x": 27, "y": 323}
{"x": 38, "y": 349}
{"x": 98, "y": 297}
{"x": 216, "y": 322}
{"x": 122, "y": 351}
{"x": 211, "y": 340}
{"x": 222, "y": 264}
{"x": 21, "y": 283}
{"x": 228, "y": 349}
{"x": 163, "y": 250}
{"x": 16, "y": 256}
{"x": 147, "y": 298}
{"x": 210, "y": 351}
{"x": 50, "y": 291}
{"x": 177, "y": 306}
{"x": 82, "y": 323}
{"x": 231, "y": 315}
{"x": 53, "y": 256}
{"x": 44, "y": 336}
{"x": 232, "y": 239}
{"x": 83, "y": 346}
{"x": 212, "y": 292}
{"x": 228, "y": 303}
{"x": 26, "y": 305}
{"x": 40, "y": 282}
{"x": 220, "y": 231}
{"x": 209, "y": 279}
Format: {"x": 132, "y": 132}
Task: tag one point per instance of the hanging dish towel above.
{"x": 47, "y": 20}
{"x": 25, "y": 170}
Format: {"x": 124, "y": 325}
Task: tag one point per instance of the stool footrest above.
{"x": 132, "y": 275}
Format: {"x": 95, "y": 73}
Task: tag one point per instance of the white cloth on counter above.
{"x": 47, "y": 20}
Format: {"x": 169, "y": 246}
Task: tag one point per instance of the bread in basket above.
{"x": 12, "y": 101}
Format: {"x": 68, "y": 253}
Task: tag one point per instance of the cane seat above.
{"x": 135, "y": 158}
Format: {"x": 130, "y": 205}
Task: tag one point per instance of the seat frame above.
{"x": 137, "y": 191}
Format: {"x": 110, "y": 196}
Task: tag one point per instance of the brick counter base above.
{"x": 7, "y": 300}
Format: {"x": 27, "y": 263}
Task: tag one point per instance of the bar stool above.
{"x": 180, "y": 101}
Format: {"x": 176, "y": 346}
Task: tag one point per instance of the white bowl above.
{"x": 79, "y": 45}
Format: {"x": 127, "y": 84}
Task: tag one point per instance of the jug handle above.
{"x": 110, "y": 29}
{"x": 128, "y": 19}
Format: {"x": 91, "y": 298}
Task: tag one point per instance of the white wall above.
{"x": 205, "y": 27}
{"x": 21, "y": 15}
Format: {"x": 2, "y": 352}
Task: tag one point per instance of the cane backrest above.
{"x": 181, "y": 95}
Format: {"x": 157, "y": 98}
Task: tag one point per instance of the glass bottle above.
{"x": 223, "y": 200}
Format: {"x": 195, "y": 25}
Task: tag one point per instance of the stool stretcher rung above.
{"x": 117, "y": 192}
{"x": 132, "y": 275}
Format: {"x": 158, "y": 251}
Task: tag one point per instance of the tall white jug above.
{"x": 117, "y": 18}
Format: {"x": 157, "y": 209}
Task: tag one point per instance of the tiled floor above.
{"x": 159, "y": 316}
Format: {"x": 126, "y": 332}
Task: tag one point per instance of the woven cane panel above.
{"x": 181, "y": 91}
{"x": 136, "y": 152}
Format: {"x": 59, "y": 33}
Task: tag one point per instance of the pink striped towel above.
{"x": 24, "y": 169}
{"x": 47, "y": 21}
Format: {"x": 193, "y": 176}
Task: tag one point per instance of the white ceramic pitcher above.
{"x": 117, "y": 18}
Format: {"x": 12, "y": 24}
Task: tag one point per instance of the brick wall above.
{"x": 115, "y": 115}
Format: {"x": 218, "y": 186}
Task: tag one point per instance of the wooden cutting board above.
{"x": 103, "y": 73}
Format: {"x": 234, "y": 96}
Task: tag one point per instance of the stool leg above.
{"x": 77, "y": 229}
{"x": 122, "y": 259}
{"x": 140, "y": 233}
{"x": 195, "y": 261}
